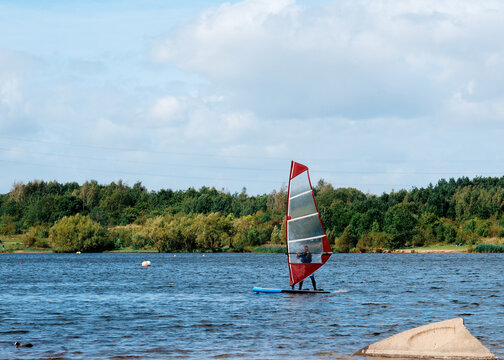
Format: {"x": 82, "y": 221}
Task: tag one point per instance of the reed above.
{"x": 268, "y": 249}
{"x": 489, "y": 248}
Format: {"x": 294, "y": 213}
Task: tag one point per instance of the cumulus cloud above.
{"x": 14, "y": 106}
{"x": 167, "y": 109}
{"x": 106, "y": 131}
{"x": 214, "y": 126}
{"x": 466, "y": 110}
{"x": 10, "y": 94}
{"x": 356, "y": 59}
{"x": 196, "y": 117}
{"x": 14, "y": 66}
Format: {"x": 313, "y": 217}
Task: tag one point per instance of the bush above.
{"x": 373, "y": 241}
{"x": 7, "y": 229}
{"x": 484, "y": 229}
{"x": 78, "y": 233}
{"x": 346, "y": 241}
{"x": 122, "y": 237}
{"x": 41, "y": 244}
{"x": 29, "y": 240}
{"x": 379, "y": 240}
{"x": 489, "y": 248}
{"x": 140, "y": 241}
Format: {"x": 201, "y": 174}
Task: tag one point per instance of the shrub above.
{"x": 122, "y": 237}
{"x": 78, "y": 233}
{"x": 363, "y": 244}
{"x": 379, "y": 240}
{"x": 41, "y": 244}
{"x": 484, "y": 229}
{"x": 489, "y": 248}
{"x": 346, "y": 241}
{"x": 29, "y": 240}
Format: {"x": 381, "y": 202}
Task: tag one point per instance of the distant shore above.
{"x": 269, "y": 249}
{"x": 16, "y": 245}
{"x": 427, "y": 251}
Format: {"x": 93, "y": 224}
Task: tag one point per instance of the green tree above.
{"x": 400, "y": 222}
{"x": 78, "y": 233}
{"x": 213, "y": 230}
{"x": 346, "y": 241}
{"x": 277, "y": 201}
{"x": 276, "y": 236}
{"x": 163, "y": 232}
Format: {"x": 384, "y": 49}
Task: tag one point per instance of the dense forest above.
{"x": 94, "y": 217}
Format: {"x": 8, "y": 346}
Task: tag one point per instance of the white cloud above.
{"x": 463, "y": 109}
{"x": 104, "y": 131}
{"x": 167, "y": 110}
{"x": 14, "y": 68}
{"x": 277, "y": 149}
{"x": 212, "y": 126}
{"x": 10, "y": 94}
{"x": 354, "y": 59}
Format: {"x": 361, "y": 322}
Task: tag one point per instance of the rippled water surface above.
{"x": 107, "y": 306}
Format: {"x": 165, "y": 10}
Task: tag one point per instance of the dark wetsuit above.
{"x": 305, "y": 257}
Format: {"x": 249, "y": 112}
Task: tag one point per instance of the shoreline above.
{"x": 399, "y": 251}
{"x": 428, "y": 251}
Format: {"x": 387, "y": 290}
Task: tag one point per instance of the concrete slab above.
{"x": 447, "y": 339}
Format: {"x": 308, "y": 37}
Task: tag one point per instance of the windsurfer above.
{"x": 306, "y": 257}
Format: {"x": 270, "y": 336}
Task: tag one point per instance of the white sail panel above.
{"x": 305, "y": 227}
{"x": 302, "y": 205}
{"x": 299, "y": 184}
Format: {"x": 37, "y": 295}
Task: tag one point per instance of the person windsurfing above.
{"x": 306, "y": 257}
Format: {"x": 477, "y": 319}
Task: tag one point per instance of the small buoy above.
{"x": 146, "y": 263}
{"x": 20, "y": 262}
{"x": 203, "y": 254}
{"x": 175, "y": 255}
{"x": 78, "y": 252}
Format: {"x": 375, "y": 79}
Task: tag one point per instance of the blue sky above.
{"x": 376, "y": 95}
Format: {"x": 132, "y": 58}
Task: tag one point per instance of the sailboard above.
{"x": 288, "y": 291}
{"x": 307, "y": 244}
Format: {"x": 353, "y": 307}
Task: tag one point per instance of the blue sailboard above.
{"x": 289, "y": 291}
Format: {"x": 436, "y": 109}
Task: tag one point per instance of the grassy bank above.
{"x": 17, "y": 243}
{"x": 437, "y": 248}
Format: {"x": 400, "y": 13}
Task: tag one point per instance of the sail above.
{"x": 307, "y": 244}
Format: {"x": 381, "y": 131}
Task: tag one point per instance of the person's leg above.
{"x": 300, "y": 285}
{"x": 312, "y": 277}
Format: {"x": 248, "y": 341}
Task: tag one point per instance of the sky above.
{"x": 378, "y": 95}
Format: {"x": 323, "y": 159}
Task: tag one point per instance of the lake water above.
{"x": 107, "y": 306}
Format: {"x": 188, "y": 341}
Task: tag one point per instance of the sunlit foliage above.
{"x": 461, "y": 211}
{"x": 78, "y": 233}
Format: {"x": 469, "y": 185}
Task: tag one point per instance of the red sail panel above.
{"x": 307, "y": 244}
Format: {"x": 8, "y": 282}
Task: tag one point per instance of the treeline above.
{"x": 462, "y": 211}
{"x": 48, "y": 213}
